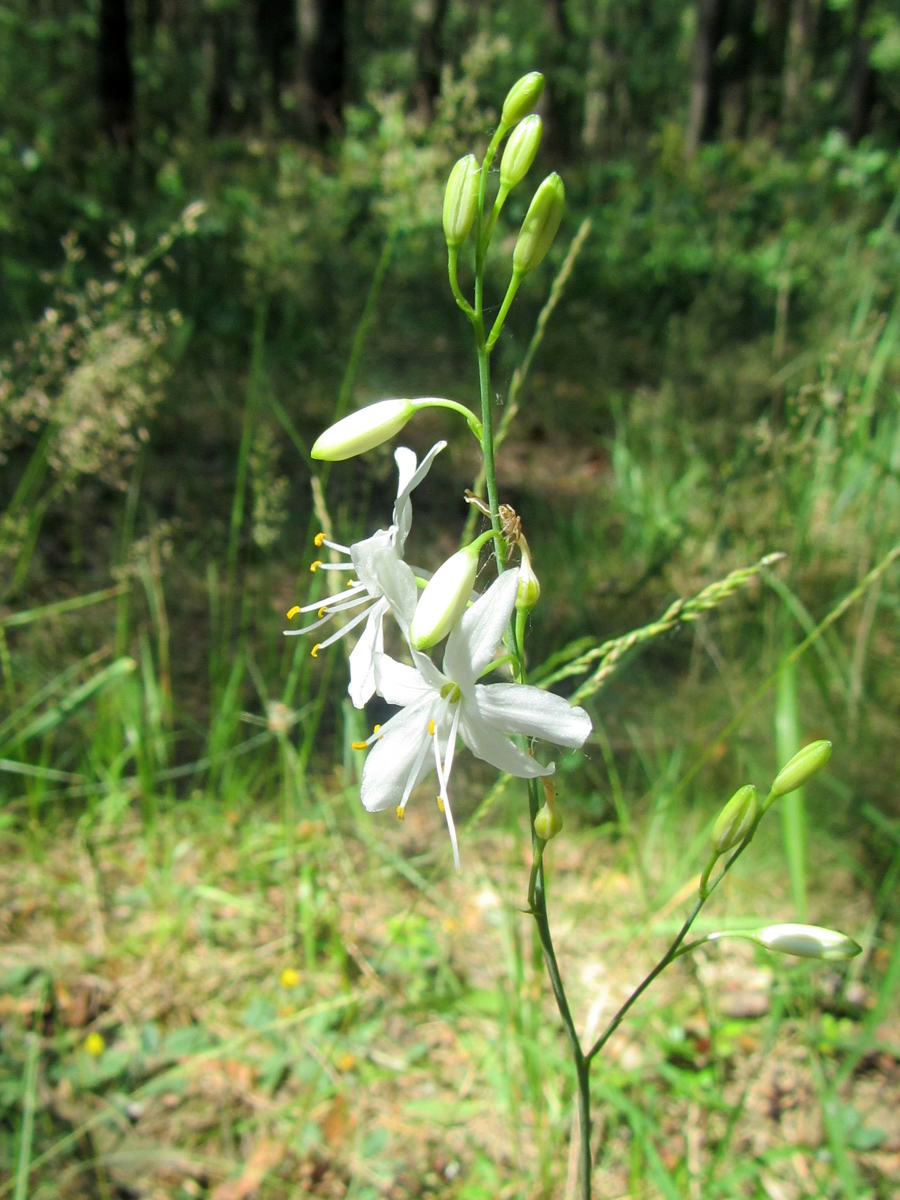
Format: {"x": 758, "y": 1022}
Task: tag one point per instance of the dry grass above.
{"x": 416, "y": 1051}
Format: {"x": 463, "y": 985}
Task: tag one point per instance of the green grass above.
{"x": 181, "y": 819}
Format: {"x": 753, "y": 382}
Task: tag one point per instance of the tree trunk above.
{"x": 223, "y": 42}
{"x": 327, "y": 68}
{"x": 705, "y": 114}
{"x": 798, "y": 57}
{"x": 861, "y": 82}
{"x": 276, "y": 32}
{"x": 563, "y": 99}
{"x": 115, "y": 77}
{"x": 430, "y": 57}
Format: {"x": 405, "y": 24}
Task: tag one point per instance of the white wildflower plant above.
{"x": 439, "y": 707}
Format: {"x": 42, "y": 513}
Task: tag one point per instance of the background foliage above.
{"x": 220, "y": 225}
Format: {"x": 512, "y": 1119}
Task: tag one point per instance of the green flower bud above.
{"x": 363, "y": 430}
{"x": 445, "y": 595}
{"x": 519, "y": 152}
{"x": 547, "y": 822}
{"x": 521, "y": 98}
{"x": 461, "y": 200}
{"x": 735, "y": 820}
{"x": 806, "y": 762}
{"x": 540, "y": 225}
{"x": 807, "y": 941}
{"x": 529, "y": 590}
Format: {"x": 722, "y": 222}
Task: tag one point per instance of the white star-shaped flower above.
{"x": 383, "y": 582}
{"x": 440, "y": 706}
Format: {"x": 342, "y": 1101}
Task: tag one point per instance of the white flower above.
{"x": 439, "y": 706}
{"x": 382, "y": 581}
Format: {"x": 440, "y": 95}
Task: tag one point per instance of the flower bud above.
{"x": 521, "y": 98}
{"x": 461, "y": 200}
{"x": 735, "y": 820}
{"x": 529, "y": 590}
{"x": 806, "y": 762}
{"x": 547, "y": 822}
{"x": 446, "y": 595}
{"x": 807, "y": 941}
{"x": 363, "y": 430}
{"x": 540, "y": 225}
{"x": 519, "y": 152}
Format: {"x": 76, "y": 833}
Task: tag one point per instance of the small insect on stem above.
{"x": 510, "y": 523}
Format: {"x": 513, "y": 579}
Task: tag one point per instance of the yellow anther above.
{"x": 440, "y": 804}
{"x": 400, "y": 812}
{"x": 319, "y": 538}
{"x": 377, "y": 727}
{"x": 431, "y": 728}
{"x": 292, "y": 612}
{"x": 315, "y": 565}
{"x": 315, "y": 650}
{"x": 322, "y": 611}
{"x": 359, "y": 745}
{"x": 352, "y": 583}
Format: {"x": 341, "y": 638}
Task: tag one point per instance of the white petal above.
{"x": 398, "y": 584}
{"x": 473, "y": 642}
{"x": 362, "y": 656}
{"x": 393, "y": 757}
{"x": 518, "y": 708}
{"x": 365, "y": 557}
{"x": 398, "y": 683}
{"x": 410, "y": 477}
{"x": 428, "y": 670}
{"x": 486, "y": 743}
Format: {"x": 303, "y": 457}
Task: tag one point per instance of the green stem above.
{"x": 675, "y": 950}
{"x": 471, "y": 420}
{"x": 452, "y": 256}
{"x": 537, "y": 899}
{"x": 497, "y": 327}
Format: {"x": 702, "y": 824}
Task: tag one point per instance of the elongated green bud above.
{"x": 363, "y": 430}
{"x": 807, "y": 941}
{"x": 529, "y": 589}
{"x": 547, "y": 822}
{"x": 445, "y": 595}
{"x": 540, "y": 225}
{"x": 519, "y": 152}
{"x": 521, "y": 98}
{"x": 735, "y": 820}
{"x": 806, "y": 762}
{"x": 461, "y": 200}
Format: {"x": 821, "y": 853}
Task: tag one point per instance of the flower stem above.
{"x": 537, "y": 898}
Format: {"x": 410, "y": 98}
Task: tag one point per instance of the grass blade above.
{"x": 23, "y": 1166}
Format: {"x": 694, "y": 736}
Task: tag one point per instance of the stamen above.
{"x": 440, "y": 804}
{"x": 352, "y": 583}
{"x": 360, "y": 745}
{"x": 292, "y": 612}
{"x": 319, "y": 538}
{"x": 400, "y": 812}
{"x": 322, "y": 611}
{"x": 339, "y": 600}
{"x": 376, "y": 728}
{"x": 431, "y": 728}
{"x": 315, "y": 650}
{"x": 314, "y": 566}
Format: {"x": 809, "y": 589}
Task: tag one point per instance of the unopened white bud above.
{"x": 445, "y": 596}
{"x": 807, "y": 941}
{"x": 363, "y": 430}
